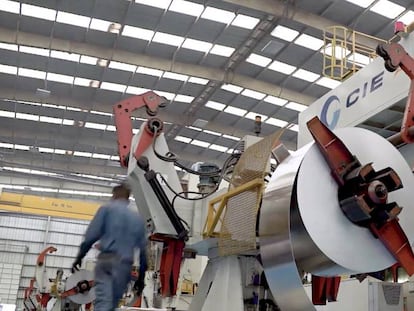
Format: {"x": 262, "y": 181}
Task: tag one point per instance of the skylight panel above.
{"x": 387, "y": 8}
{"x": 45, "y": 150}
{"x": 150, "y": 71}
{"x": 276, "y": 122}
{"x": 122, "y": 66}
{"x": 24, "y": 72}
{"x": 21, "y": 147}
{"x": 97, "y": 126}
{"x": 101, "y": 156}
{"x": 244, "y": 21}
{"x": 362, "y": 3}
{"x": 293, "y": 127}
{"x": 7, "y": 114}
{"x": 197, "y": 45}
{"x": 236, "y": 111}
{"x": 73, "y": 57}
{"x": 100, "y": 24}
{"x": 282, "y": 67}
{"x": 407, "y": 18}
{"x": 218, "y": 15}
{"x": 88, "y": 60}
{"x": 82, "y": 81}
{"x": 194, "y": 128}
{"x": 12, "y": 70}
{"x": 252, "y": 116}
{"x": 186, "y": 7}
{"x": 258, "y": 60}
{"x": 113, "y": 87}
{"x": 296, "y": 106}
{"x": 232, "y": 88}
{"x": 10, "y": 6}
{"x": 328, "y": 82}
{"x": 59, "y": 78}
{"x": 284, "y": 33}
{"x": 68, "y": 122}
{"x": 38, "y": 12}
{"x": 135, "y": 90}
{"x": 6, "y": 145}
{"x": 73, "y": 19}
{"x": 82, "y": 154}
{"x": 309, "y": 42}
{"x": 183, "y": 139}
{"x": 175, "y": 76}
{"x": 306, "y": 75}
{"x": 212, "y": 132}
{"x": 161, "y": 4}
{"x": 50, "y": 120}
{"x": 253, "y": 94}
{"x": 200, "y": 143}
{"x": 111, "y": 128}
{"x": 166, "y": 38}
{"x": 167, "y": 95}
{"x": 34, "y": 51}
{"x": 60, "y": 151}
{"x": 359, "y": 59}
{"x": 101, "y": 113}
{"x": 218, "y": 148}
{"x": 183, "y": 98}
{"x": 275, "y": 100}
{"x": 8, "y": 46}
{"x": 197, "y": 80}
{"x": 231, "y": 137}
{"x": 215, "y": 105}
{"x": 338, "y": 51}
{"x": 222, "y": 50}
{"x": 137, "y": 32}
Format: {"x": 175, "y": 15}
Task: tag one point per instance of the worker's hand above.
{"x": 77, "y": 264}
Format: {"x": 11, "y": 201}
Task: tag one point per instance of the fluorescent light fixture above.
{"x": 222, "y": 50}
{"x": 10, "y": 6}
{"x": 200, "y": 143}
{"x": 282, "y": 67}
{"x": 218, "y": 148}
{"x": 328, "y": 82}
{"x": 359, "y": 59}
{"x": 150, "y": 71}
{"x": 306, "y": 75}
{"x": 135, "y": 90}
{"x": 175, "y": 76}
{"x": 167, "y": 95}
{"x": 236, "y": 111}
{"x": 59, "y": 78}
{"x": 161, "y": 4}
{"x": 309, "y": 42}
{"x": 38, "y": 12}
{"x": 194, "y": 128}
{"x": 244, "y": 21}
{"x": 252, "y": 116}
{"x": 231, "y": 137}
{"x": 215, "y": 105}
{"x": 275, "y": 100}
{"x": 9, "y": 46}
{"x": 296, "y": 106}
{"x": 183, "y": 139}
{"x": 73, "y": 19}
{"x": 293, "y": 127}
{"x": 232, "y": 88}
{"x": 258, "y": 60}
{"x": 122, "y": 66}
{"x": 387, "y": 8}
{"x": 6, "y": 145}
{"x": 82, "y": 154}
{"x": 34, "y": 51}
{"x": 137, "y": 32}
{"x": 197, "y": 45}
{"x": 197, "y": 80}
{"x": 113, "y": 87}
{"x": 362, "y": 3}
{"x": 88, "y": 60}
{"x": 407, "y": 18}
{"x": 82, "y": 81}
{"x": 100, "y": 24}
{"x": 284, "y": 33}
{"x": 7, "y": 114}
{"x": 68, "y": 122}
{"x": 66, "y": 56}
{"x": 37, "y": 74}
{"x": 166, "y": 38}
{"x": 183, "y": 98}
{"x": 111, "y": 128}
{"x": 101, "y": 156}
{"x": 50, "y": 120}
{"x": 26, "y": 116}
{"x": 186, "y": 7}
{"x": 212, "y": 132}
{"x": 96, "y": 126}
{"x": 276, "y": 122}
{"x": 12, "y": 70}
{"x": 21, "y": 147}
{"x": 218, "y": 15}
{"x": 253, "y": 94}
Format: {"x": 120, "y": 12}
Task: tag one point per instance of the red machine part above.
{"x": 81, "y": 287}
{"x": 123, "y": 123}
{"x": 41, "y": 258}
{"x": 396, "y": 56}
{"x": 324, "y": 289}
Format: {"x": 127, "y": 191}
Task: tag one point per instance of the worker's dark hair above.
{"x": 122, "y": 191}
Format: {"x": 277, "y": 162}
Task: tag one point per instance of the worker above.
{"x": 120, "y": 231}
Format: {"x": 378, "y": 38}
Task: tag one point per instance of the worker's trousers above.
{"x": 111, "y": 280}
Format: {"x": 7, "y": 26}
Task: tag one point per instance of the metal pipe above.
{"x": 396, "y": 139}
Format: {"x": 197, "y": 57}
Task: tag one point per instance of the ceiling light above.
{"x": 37, "y": 74}
{"x": 96, "y": 126}
{"x": 293, "y": 127}
{"x": 73, "y": 19}
{"x": 306, "y": 75}
{"x": 88, "y": 60}
{"x": 197, "y": 45}
{"x": 167, "y": 95}
{"x": 359, "y": 59}
{"x": 73, "y": 108}
{"x": 150, "y": 71}
{"x": 215, "y": 105}
{"x": 50, "y": 120}
{"x": 236, "y": 111}
{"x": 136, "y": 32}
{"x": 194, "y": 128}
{"x": 122, "y": 66}
{"x": 253, "y": 94}
{"x": 198, "y": 80}
{"x": 21, "y": 147}
{"x": 232, "y": 88}
{"x": 100, "y": 24}
{"x": 82, "y": 81}
{"x": 200, "y": 143}
{"x": 252, "y": 116}
{"x": 45, "y": 150}
{"x": 222, "y": 50}
{"x": 182, "y": 139}
{"x": 387, "y": 8}
{"x": 101, "y": 113}
{"x": 275, "y": 100}
{"x": 296, "y": 106}
{"x": 245, "y": 21}
{"x": 284, "y": 33}
{"x": 212, "y": 132}
{"x": 59, "y": 78}
{"x": 8, "y": 69}
{"x": 276, "y": 122}
{"x": 258, "y": 60}
{"x": 68, "y": 122}
{"x": 309, "y": 42}
{"x": 166, "y": 38}
{"x": 218, "y": 15}
{"x": 328, "y": 82}
{"x": 111, "y": 128}
{"x": 362, "y": 3}
{"x": 186, "y": 7}
{"x": 407, "y": 18}
{"x": 82, "y": 154}
{"x": 282, "y": 67}
{"x": 135, "y": 90}
{"x": 34, "y": 51}
{"x": 162, "y": 4}
{"x": 10, "y": 6}
{"x": 101, "y": 156}
{"x": 6, "y": 145}
{"x": 8, "y": 46}
{"x": 231, "y": 137}
{"x": 38, "y": 12}
{"x": 183, "y": 98}
{"x": 175, "y": 76}
{"x": 7, "y": 114}
{"x": 113, "y": 87}
{"x": 218, "y": 148}
{"x": 102, "y": 62}
{"x": 66, "y": 56}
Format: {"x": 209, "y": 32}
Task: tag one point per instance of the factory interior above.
{"x": 267, "y": 146}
